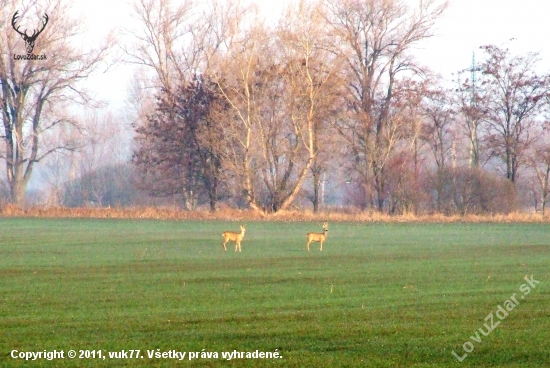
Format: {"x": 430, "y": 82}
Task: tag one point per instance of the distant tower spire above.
{"x": 474, "y": 145}
{"x": 473, "y": 76}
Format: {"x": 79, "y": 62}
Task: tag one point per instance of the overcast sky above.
{"x": 466, "y": 25}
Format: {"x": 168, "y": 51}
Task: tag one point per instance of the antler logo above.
{"x": 29, "y": 40}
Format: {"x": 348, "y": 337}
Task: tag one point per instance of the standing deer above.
{"x": 233, "y": 236}
{"x": 318, "y": 237}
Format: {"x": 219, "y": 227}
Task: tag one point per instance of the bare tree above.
{"x": 278, "y": 85}
{"x": 36, "y": 91}
{"x": 176, "y": 41}
{"x": 236, "y": 79}
{"x": 315, "y": 81}
{"x": 215, "y": 28}
{"x": 439, "y": 116}
{"x": 374, "y": 37}
{"x": 515, "y": 99}
{"x": 471, "y": 101}
{"x": 403, "y": 157}
{"x": 176, "y": 45}
{"x": 157, "y": 45}
{"x": 538, "y": 158}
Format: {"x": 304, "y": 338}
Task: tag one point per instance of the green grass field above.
{"x": 379, "y": 295}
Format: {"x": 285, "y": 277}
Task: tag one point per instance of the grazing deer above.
{"x": 318, "y": 237}
{"x": 233, "y": 236}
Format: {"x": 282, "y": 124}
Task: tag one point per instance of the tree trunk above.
{"x": 212, "y": 205}
{"x": 288, "y": 200}
{"x": 18, "y": 194}
{"x": 315, "y": 196}
{"x": 380, "y": 187}
{"x": 316, "y": 184}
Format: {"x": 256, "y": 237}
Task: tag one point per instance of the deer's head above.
{"x": 29, "y": 40}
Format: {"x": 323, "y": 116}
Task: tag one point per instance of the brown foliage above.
{"x": 331, "y": 215}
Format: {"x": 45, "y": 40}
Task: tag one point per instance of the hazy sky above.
{"x": 466, "y": 25}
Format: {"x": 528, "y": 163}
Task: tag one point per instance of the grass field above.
{"x": 379, "y": 295}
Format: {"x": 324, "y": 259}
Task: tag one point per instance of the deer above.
{"x": 29, "y": 40}
{"x": 318, "y": 237}
{"x": 235, "y": 237}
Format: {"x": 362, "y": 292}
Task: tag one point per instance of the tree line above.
{"x": 258, "y": 113}
{"x": 324, "y": 105}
